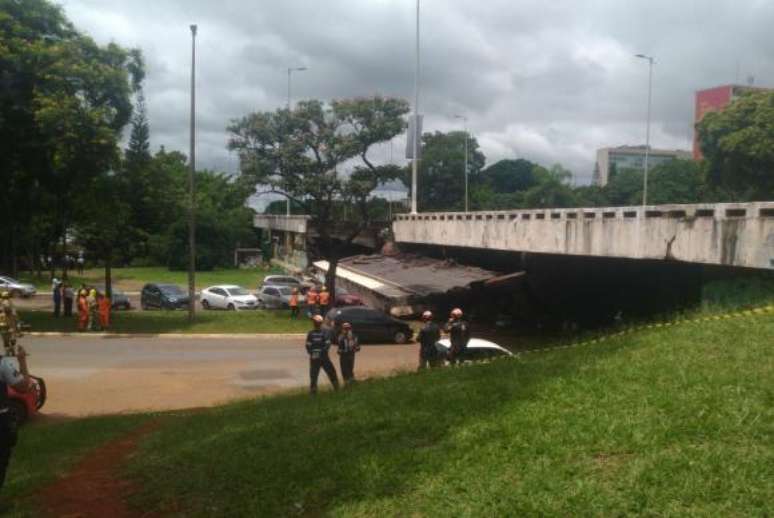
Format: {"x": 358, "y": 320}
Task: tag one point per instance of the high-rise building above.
{"x": 715, "y": 99}
{"x": 611, "y": 159}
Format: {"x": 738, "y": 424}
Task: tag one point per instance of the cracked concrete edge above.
{"x": 164, "y": 335}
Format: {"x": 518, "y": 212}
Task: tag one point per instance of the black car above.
{"x": 118, "y": 299}
{"x": 163, "y": 296}
{"x": 370, "y": 325}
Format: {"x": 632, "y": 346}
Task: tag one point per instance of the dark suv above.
{"x": 370, "y": 325}
{"x": 163, "y": 296}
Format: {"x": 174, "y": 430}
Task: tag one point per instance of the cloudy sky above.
{"x": 547, "y": 81}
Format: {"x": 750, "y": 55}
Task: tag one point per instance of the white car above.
{"x": 229, "y": 297}
{"x": 477, "y": 349}
{"x": 16, "y": 288}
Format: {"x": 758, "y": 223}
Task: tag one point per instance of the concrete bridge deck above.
{"x": 733, "y": 234}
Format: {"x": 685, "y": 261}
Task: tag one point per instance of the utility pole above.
{"x": 415, "y": 156}
{"x": 191, "y": 197}
{"x": 465, "y": 129}
{"x": 647, "y": 127}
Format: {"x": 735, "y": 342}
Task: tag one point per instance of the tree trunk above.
{"x": 330, "y": 277}
{"x": 14, "y": 264}
{"x": 64, "y": 253}
{"x": 109, "y": 275}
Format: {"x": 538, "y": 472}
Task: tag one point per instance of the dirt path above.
{"x": 95, "y": 487}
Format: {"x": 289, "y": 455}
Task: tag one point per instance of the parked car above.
{"x": 276, "y": 297}
{"x": 23, "y": 405}
{"x": 163, "y": 296}
{"x": 281, "y": 280}
{"x": 16, "y": 288}
{"x": 370, "y": 325}
{"x": 118, "y": 299}
{"x": 228, "y": 296}
{"x": 477, "y": 349}
{"x": 344, "y": 298}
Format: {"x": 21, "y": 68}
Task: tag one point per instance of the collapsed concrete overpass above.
{"x": 730, "y": 234}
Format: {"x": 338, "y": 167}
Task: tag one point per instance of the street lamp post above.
{"x": 650, "y": 61}
{"x": 465, "y": 129}
{"x": 191, "y": 199}
{"x": 415, "y": 144}
{"x": 290, "y": 71}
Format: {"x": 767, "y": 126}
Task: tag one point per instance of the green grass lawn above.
{"x": 47, "y": 450}
{"x": 666, "y": 421}
{"x": 132, "y": 279}
{"x": 256, "y": 321}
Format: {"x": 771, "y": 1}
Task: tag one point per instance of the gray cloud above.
{"x": 549, "y": 81}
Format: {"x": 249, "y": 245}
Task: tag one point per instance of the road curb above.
{"x": 38, "y": 334}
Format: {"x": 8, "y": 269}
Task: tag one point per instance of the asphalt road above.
{"x": 98, "y": 375}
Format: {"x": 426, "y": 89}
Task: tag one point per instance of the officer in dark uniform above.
{"x": 318, "y": 342}
{"x": 9, "y": 376}
{"x": 459, "y": 334}
{"x": 428, "y": 337}
{"x": 348, "y": 346}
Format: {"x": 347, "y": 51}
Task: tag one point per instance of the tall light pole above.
{"x": 647, "y": 126}
{"x": 415, "y": 144}
{"x": 465, "y": 129}
{"x": 191, "y": 199}
{"x": 290, "y": 71}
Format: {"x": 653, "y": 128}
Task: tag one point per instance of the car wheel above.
{"x": 205, "y": 304}
{"x": 261, "y": 305}
{"x": 17, "y": 411}
{"x": 400, "y": 337}
{"x": 231, "y": 307}
{"x": 144, "y": 306}
{"x": 127, "y": 306}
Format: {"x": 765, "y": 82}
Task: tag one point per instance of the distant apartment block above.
{"x": 715, "y": 99}
{"x": 611, "y": 159}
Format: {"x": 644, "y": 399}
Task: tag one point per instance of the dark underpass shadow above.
{"x": 371, "y": 442}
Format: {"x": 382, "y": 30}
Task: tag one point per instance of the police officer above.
{"x": 9, "y": 376}
{"x": 459, "y": 334}
{"x": 428, "y": 337}
{"x": 348, "y": 346}
{"x": 318, "y": 342}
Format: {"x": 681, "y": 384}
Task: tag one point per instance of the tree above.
{"x": 63, "y": 103}
{"x": 738, "y": 145}
{"x": 676, "y": 181}
{"x": 551, "y": 190}
{"x": 509, "y": 175}
{"x": 298, "y": 153}
{"x": 441, "y": 176}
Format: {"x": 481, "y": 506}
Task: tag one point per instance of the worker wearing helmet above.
{"x": 10, "y": 320}
{"x": 459, "y": 334}
{"x": 312, "y": 298}
{"x": 293, "y": 303}
{"x": 83, "y": 310}
{"x": 93, "y": 304}
{"x": 318, "y": 342}
{"x": 9, "y": 376}
{"x": 325, "y": 300}
{"x": 348, "y": 346}
{"x": 428, "y": 337}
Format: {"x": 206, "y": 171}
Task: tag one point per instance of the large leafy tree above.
{"x": 738, "y": 145}
{"x": 441, "y": 179}
{"x": 63, "y": 103}
{"x": 302, "y": 154}
{"x": 510, "y": 175}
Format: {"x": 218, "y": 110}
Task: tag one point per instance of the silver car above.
{"x": 276, "y": 297}
{"x": 16, "y": 288}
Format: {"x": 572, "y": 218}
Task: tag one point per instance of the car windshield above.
{"x": 237, "y": 292}
{"x": 171, "y": 290}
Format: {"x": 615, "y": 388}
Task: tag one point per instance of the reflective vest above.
{"x": 325, "y": 298}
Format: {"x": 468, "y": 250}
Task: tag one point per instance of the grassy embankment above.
{"x": 669, "y": 421}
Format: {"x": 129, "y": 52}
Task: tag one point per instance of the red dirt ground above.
{"x": 95, "y": 486}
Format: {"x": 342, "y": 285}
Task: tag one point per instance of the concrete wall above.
{"x": 283, "y": 223}
{"x": 735, "y": 234}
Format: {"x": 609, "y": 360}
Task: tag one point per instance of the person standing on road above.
{"x": 56, "y": 293}
{"x": 93, "y": 304}
{"x": 459, "y": 334}
{"x": 311, "y": 301}
{"x": 325, "y": 300}
{"x": 293, "y": 303}
{"x": 67, "y": 298}
{"x": 83, "y": 311}
{"x": 9, "y": 376}
{"x": 318, "y": 342}
{"x": 348, "y": 346}
{"x": 104, "y": 310}
{"x": 428, "y": 337}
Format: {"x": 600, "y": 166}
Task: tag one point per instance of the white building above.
{"x": 631, "y": 157}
